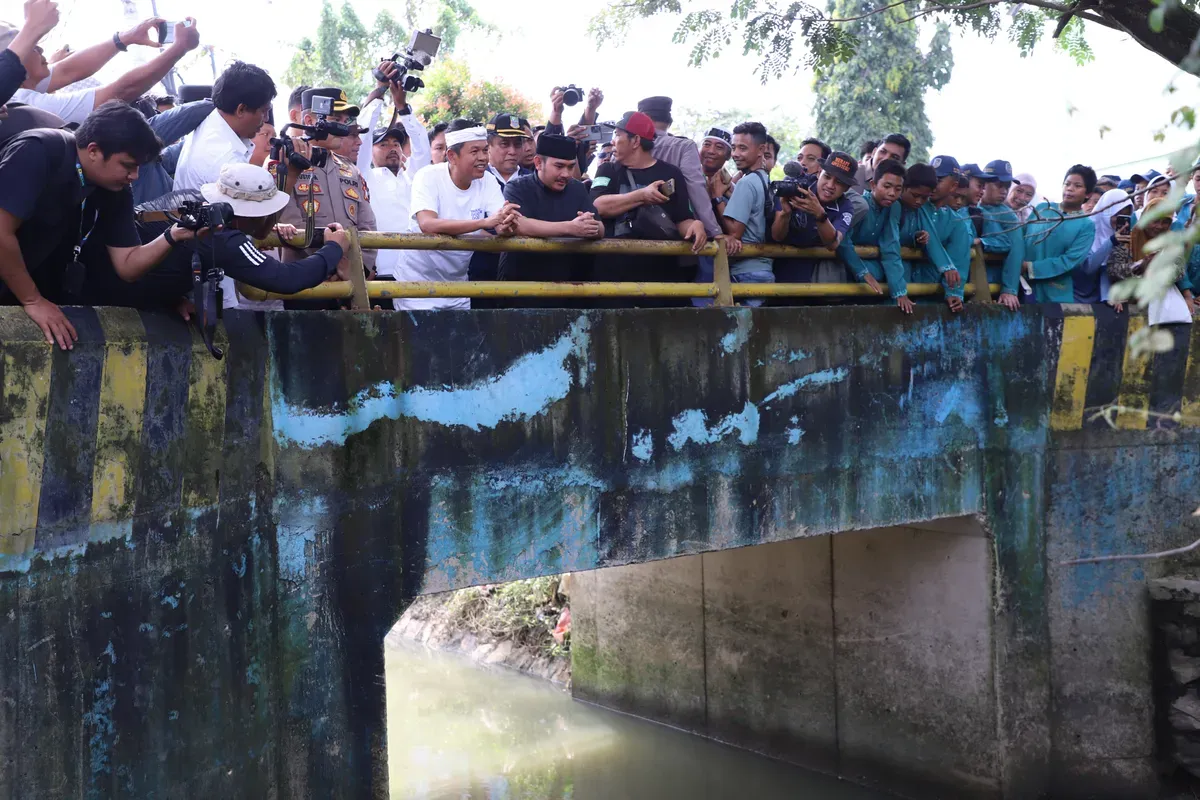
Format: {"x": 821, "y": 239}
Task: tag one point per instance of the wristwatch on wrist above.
{"x": 117, "y": 41}
{"x": 170, "y": 239}
{"x": 824, "y": 218}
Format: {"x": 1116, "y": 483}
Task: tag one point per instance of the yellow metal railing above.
{"x": 722, "y": 290}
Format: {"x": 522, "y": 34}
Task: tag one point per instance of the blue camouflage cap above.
{"x": 945, "y": 166}
{"x": 998, "y": 170}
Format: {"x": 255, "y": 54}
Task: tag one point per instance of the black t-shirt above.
{"x": 40, "y": 185}
{"x": 540, "y": 203}
{"x": 610, "y": 179}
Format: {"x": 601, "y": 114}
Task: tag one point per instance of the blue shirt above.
{"x": 748, "y": 206}
{"x": 1056, "y": 245}
{"x": 1003, "y": 234}
{"x": 1191, "y": 275}
{"x": 156, "y": 178}
{"x": 802, "y": 232}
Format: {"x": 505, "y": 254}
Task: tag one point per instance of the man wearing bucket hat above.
{"x": 256, "y": 204}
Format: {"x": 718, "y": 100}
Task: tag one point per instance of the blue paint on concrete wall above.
{"x": 524, "y": 390}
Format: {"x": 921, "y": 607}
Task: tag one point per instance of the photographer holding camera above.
{"x": 331, "y": 191}
{"x": 814, "y": 211}
{"x": 58, "y": 192}
{"x": 246, "y": 203}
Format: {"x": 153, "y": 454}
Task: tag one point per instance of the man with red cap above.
{"x": 640, "y": 197}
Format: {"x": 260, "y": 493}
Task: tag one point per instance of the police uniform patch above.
{"x": 345, "y": 172}
{"x": 302, "y": 188}
{"x": 352, "y": 211}
{"x": 351, "y": 192}
{"x": 313, "y": 207}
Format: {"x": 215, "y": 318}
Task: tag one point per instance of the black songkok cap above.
{"x": 552, "y": 146}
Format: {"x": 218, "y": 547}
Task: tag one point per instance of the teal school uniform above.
{"x": 1056, "y": 244}
{"x": 877, "y": 228}
{"x": 1003, "y": 234}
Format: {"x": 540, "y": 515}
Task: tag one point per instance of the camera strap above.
{"x": 74, "y": 278}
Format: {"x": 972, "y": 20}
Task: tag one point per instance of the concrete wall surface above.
{"x": 868, "y": 654}
{"x": 199, "y": 559}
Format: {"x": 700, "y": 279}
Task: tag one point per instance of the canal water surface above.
{"x": 458, "y": 731}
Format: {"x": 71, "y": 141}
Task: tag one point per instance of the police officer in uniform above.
{"x": 338, "y": 191}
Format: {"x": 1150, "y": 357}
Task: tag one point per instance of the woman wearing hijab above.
{"x": 1091, "y": 281}
{"x": 1023, "y": 196}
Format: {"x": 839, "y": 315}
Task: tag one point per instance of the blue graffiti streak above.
{"x": 692, "y": 426}
{"x": 526, "y": 389}
{"x": 825, "y": 377}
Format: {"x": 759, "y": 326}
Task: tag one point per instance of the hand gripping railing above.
{"x": 722, "y": 290}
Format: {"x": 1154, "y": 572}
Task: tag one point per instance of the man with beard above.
{"x": 552, "y": 204}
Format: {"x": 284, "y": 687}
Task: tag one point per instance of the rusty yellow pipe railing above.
{"x": 722, "y": 289}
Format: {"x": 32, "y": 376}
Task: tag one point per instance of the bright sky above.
{"x": 1042, "y": 113}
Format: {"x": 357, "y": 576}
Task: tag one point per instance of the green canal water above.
{"x": 458, "y": 731}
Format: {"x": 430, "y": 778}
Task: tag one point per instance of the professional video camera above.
{"x": 283, "y": 149}
{"x": 572, "y": 95}
{"x": 420, "y": 53}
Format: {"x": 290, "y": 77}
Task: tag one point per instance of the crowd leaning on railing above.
{"x": 111, "y": 196}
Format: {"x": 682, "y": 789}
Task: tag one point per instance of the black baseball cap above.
{"x": 842, "y": 167}
{"x": 507, "y": 126}
{"x": 397, "y": 132}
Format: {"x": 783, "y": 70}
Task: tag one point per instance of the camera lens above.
{"x": 572, "y": 96}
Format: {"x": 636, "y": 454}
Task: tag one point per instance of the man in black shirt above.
{"x": 257, "y": 205}
{"x": 58, "y": 191}
{"x": 552, "y": 204}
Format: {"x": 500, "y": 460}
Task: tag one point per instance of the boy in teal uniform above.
{"x": 1183, "y": 218}
{"x": 953, "y": 231}
{"x": 879, "y": 228}
{"x": 1058, "y": 239}
{"x": 1002, "y": 233}
{"x": 918, "y": 229}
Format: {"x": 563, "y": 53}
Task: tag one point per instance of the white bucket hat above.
{"x": 249, "y": 189}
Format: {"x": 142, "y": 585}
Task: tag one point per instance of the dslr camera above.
{"x": 793, "y": 187}
{"x": 416, "y": 57}
{"x": 283, "y": 149}
{"x": 572, "y": 95}
{"x": 197, "y": 214}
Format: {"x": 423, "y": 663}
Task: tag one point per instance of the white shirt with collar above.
{"x": 208, "y": 148}
{"x": 205, "y": 150}
{"x": 391, "y": 194}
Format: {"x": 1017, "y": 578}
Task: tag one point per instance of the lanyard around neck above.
{"x": 81, "y": 240}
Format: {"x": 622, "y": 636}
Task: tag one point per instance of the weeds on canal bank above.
{"x": 526, "y": 612}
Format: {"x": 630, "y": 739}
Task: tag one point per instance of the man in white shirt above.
{"x": 243, "y": 96}
{"x": 394, "y": 153}
{"x": 42, "y": 81}
{"x": 454, "y": 199}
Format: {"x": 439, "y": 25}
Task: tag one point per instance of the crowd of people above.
{"x": 88, "y": 178}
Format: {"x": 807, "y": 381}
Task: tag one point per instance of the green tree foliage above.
{"x": 790, "y": 34}
{"x": 881, "y": 88}
{"x": 451, "y": 93}
{"x": 345, "y": 50}
{"x": 694, "y": 123}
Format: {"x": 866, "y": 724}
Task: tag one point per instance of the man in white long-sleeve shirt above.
{"x": 393, "y": 152}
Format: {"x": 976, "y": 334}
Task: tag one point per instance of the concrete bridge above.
{"x": 199, "y": 560}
